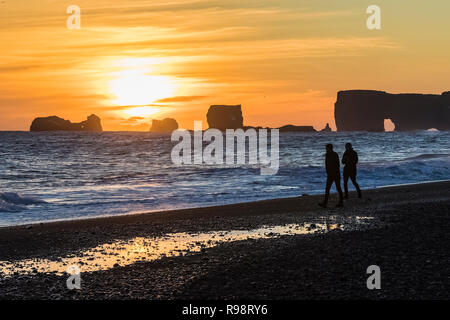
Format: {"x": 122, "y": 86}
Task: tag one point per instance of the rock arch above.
{"x": 366, "y": 110}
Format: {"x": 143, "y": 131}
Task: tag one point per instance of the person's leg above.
{"x": 346, "y": 175}
{"x": 353, "y": 177}
{"x": 327, "y": 192}
{"x": 337, "y": 182}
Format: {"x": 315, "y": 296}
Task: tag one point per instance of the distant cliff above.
{"x": 166, "y": 125}
{"x": 54, "y": 123}
{"x": 366, "y": 110}
{"x": 225, "y": 117}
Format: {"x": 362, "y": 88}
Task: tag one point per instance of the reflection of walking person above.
{"x": 333, "y": 176}
{"x": 350, "y": 159}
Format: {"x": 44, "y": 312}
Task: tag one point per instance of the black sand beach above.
{"x": 408, "y": 240}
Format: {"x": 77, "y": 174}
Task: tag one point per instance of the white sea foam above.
{"x": 15, "y": 202}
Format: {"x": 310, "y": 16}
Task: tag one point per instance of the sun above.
{"x": 133, "y": 88}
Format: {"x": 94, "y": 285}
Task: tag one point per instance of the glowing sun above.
{"x": 131, "y": 88}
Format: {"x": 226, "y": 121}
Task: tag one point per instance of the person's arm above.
{"x": 337, "y": 164}
{"x": 356, "y": 157}
{"x": 344, "y": 158}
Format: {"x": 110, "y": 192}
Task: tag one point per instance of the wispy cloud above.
{"x": 181, "y": 99}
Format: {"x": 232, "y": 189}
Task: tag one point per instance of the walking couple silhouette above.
{"x": 332, "y": 165}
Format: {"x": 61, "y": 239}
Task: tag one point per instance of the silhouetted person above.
{"x": 350, "y": 159}
{"x": 333, "y": 176}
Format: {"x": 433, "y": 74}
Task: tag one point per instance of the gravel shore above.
{"x": 409, "y": 241}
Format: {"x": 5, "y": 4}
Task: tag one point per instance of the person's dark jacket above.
{"x": 350, "y": 159}
{"x": 332, "y": 164}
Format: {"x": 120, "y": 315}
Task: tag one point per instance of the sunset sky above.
{"x": 284, "y": 61}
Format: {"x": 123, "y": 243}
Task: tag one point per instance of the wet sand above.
{"x": 274, "y": 249}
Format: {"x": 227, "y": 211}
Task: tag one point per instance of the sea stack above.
{"x": 164, "y": 126}
{"x": 292, "y": 128}
{"x": 366, "y": 110}
{"x": 54, "y": 123}
{"x": 224, "y": 117}
{"x": 327, "y": 128}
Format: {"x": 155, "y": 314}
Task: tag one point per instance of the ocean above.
{"x": 70, "y": 175}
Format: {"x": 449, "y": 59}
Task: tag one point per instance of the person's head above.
{"x": 329, "y": 147}
{"x": 348, "y": 146}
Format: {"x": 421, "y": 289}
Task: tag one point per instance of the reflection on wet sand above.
{"x": 122, "y": 253}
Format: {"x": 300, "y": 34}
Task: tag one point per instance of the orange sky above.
{"x": 283, "y": 60}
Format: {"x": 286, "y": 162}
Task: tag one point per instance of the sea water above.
{"x": 71, "y": 175}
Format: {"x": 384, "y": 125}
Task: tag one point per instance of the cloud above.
{"x": 181, "y": 99}
{"x": 6, "y": 69}
{"x": 118, "y": 108}
{"x": 133, "y": 121}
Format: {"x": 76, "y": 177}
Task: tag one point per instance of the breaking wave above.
{"x": 15, "y": 202}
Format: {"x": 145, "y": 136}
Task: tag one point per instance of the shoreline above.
{"x": 206, "y": 207}
{"x": 411, "y": 245}
{"x": 200, "y": 219}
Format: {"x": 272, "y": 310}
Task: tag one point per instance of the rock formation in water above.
{"x": 225, "y": 117}
{"x": 93, "y": 123}
{"x": 366, "y": 110}
{"x": 54, "y": 123}
{"x": 327, "y": 128}
{"x": 291, "y": 128}
{"x": 166, "y": 125}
